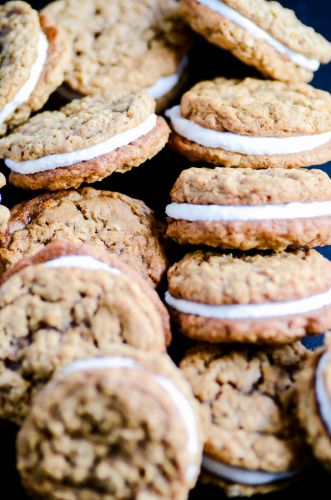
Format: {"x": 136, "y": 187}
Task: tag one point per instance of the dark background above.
{"x": 152, "y": 183}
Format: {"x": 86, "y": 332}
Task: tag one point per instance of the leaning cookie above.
{"x": 69, "y": 302}
{"x": 246, "y": 208}
{"x": 272, "y": 298}
{"x": 4, "y": 212}
{"x": 86, "y": 141}
{"x": 34, "y": 56}
{"x": 123, "y": 45}
{"x": 262, "y": 34}
{"x": 121, "y": 426}
{"x": 314, "y": 407}
{"x": 248, "y": 401}
{"x": 113, "y": 222}
{"x": 253, "y": 123}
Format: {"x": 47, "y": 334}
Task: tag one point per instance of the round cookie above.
{"x": 244, "y": 208}
{"x": 123, "y": 426}
{"x": 34, "y": 56}
{"x": 4, "y": 212}
{"x": 314, "y": 402}
{"x": 253, "y": 123}
{"x": 247, "y": 397}
{"x": 113, "y": 222}
{"x": 273, "y": 298}
{"x": 262, "y": 34}
{"x": 86, "y": 141}
{"x": 123, "y": 45}
{"x": 69, "y": 302}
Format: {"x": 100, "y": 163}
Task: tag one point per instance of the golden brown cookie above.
{"x": 123, "y": 45}
{"x": 113, "y": 222}
{"x": 4, "y": 212}
{"x": 34, "y": 56}
{"x": 121, "y": 426}
{"x": 247, "y": 397}
{"x": 68, "y": 302}
{"x": 272, "y": 298}
{"x": 262, "y": 34}
{"x": 86, "y": 141}
{"x": 244, "y": 208}
{"x": 253, "y": 123}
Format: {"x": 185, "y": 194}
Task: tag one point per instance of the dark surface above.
{"x": 152, "y": 183}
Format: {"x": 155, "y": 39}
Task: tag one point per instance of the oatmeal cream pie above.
{"x": 113, "y": 222}
{"x": 253, "y": 123}
{"x": 4, "y": 212}
{"x": 68, "y": 302}
{"x": 272, "y": 298}
{"x": 34, "y": 55}
{"x": 121, "y": 426}
{"x": 244, "y": 208}
{"x": 85, "y": 141}
{"x": 247, "y": 396}
{"x": 314, "y": 408}
{"x": 262, "y": 34}
{"x": 123, "y": 45}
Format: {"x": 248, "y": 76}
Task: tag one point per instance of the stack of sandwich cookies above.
{"x": 123, "y": 45}
{"x": 122, "y": 426}
{"x": 276, "y": 298}
{"x": 246, "y": 208}
{"x": 68, "y": 302}
{"x": 253, "y": 123}
{"x": 113, "y": 222}
{"x": 34, "y": 56}
{"x": 248, "y": 398}
{"x": 262, "y": 34}
{"x": 4, "y": 212}
{"x": 314, "y": 408}
{"x": 85, "y": 141}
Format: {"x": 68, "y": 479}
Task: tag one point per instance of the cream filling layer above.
{"x": 244, "y": 144}
{"x": 80, "y": 262}
{"x": 166, "y": 83}
{"x": 250, "y": 311}
{"x": 60, "y": 160}
{"x": 25, "y": 92}
{"x": 193, "y": 213}
{"x": 181, "y": 403}
{"x": 322, "y": 396}
{"x": 244, "y": 476}
{"x": 234, "y": 16}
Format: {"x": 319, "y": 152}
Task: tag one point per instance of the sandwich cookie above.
{"x": 262, "y": 34}
{"x": 4, "y": 212}
{"x": 272, "y": 298}
{"x": 314, "y": 407}
{"x": 253, "y": 123}
{"x": 113, "y": 222}
{"x": 248, "y": 400}
{"x": 34, "y": 56}
{"x": 123, "y": 45}
{"x": 121, "y": 426}
{"x": 244, "y": 208}
{"x": 86, "y": 141}
{"x": 69, "y": 302}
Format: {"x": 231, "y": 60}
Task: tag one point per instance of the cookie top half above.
{"x": 244, "y": 186}
{"x": 258, "y": 107}
{"x": 213, "y": 278}
{"x": 120, "y": 44}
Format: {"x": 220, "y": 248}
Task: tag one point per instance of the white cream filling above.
{"x": 193, "y": 213}
{"x": 166, "y": 83}
{"x": 25, "y": 92}
{"x": 244, "y": 144}
{"x": 183, "y": 406}
{"x": 59, "y": 160}
{"x": 80, "y": 262}
{"x": 244, "y": 476}
{"x": 234, "y": 16}
{"x": 250, "y": 311}
{"x": 322, "y": 396}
